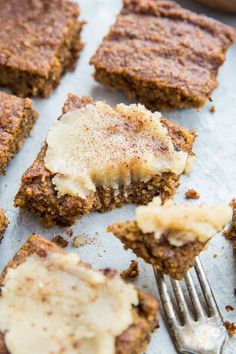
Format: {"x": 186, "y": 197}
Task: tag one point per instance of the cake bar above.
{"x": 162, "y": 55}
{"x": 98, "y": 158}
{"x": 17, "y": 117}
{"x": 39, "y": 41}
{"x": 52, "y": 302}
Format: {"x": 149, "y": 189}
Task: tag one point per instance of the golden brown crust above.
{"x": 3, "y": 223}
{"x": 169, "y": 259}
{"x": 35, "y": 244}
{"x": 3, "y": 348}
{"x": 17, "y": 117}
{"x": 37, "y": 191}
{"x": 132, "y": 341}
{"x": 162, "y": 55}
{"x": 36, "y": 54}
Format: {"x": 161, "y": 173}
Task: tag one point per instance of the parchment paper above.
{"x": 214, "y": 174}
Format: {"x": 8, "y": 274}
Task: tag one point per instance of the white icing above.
{"x": 101, "y": 146}
{"x": 184, "y": 223}
{"x": 56, "y": 305}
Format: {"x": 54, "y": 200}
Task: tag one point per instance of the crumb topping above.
{"x": 100, "y": 146}
{"x": 63, "y": 306}
{"x": 182, "y": 224}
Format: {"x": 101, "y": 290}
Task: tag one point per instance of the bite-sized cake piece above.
{"x": 52, "y": 302}
{"x": 162, "y": 55}
{"x": 3, "y": 225}
{"x": 98, "y": 158}
{"x": 39, "y": 41}
{"x": 17, "y": 117}
{"x": 170, "y": 236}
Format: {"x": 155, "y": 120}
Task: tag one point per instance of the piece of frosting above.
{"x": 184, "y": 223}
{"x": 100, "y": 146}
{"x": 55, "y": 304}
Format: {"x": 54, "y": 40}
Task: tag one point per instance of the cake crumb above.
{"x": 131, "y": 272}
{"x": 213, "y": 109}
{"x": 229, "y": 308}
{"x": 231, "y": 328}
{"x": 79, "y": 241}
{"x": 69, "y": 233}
{"x": 192, "y": 194}
{"x": 215, "y": 256}
{"x": 60, "y": 241}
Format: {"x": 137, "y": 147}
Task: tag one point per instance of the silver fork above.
{"x": 204, "y": 334}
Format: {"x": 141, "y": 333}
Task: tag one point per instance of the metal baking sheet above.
{"x": 214, "y": 174}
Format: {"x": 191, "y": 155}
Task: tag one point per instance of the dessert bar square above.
{"x": 17, "y": 117}
{"x": 162, "y": 55}
{"x": 98, "y": 158}
{"x": 51, "y": 301}
{"x": 170, "y": 236}
{"x": 39, "y": 41}
{"x": 3, "y": 223}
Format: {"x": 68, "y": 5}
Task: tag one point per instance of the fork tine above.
{"x": 183, "y": 307}
{"x": 165, "y": 298}
{"x": 194, "y": 296}
{"x": 209, "y": 297}
{"x": 206, "y": 335}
